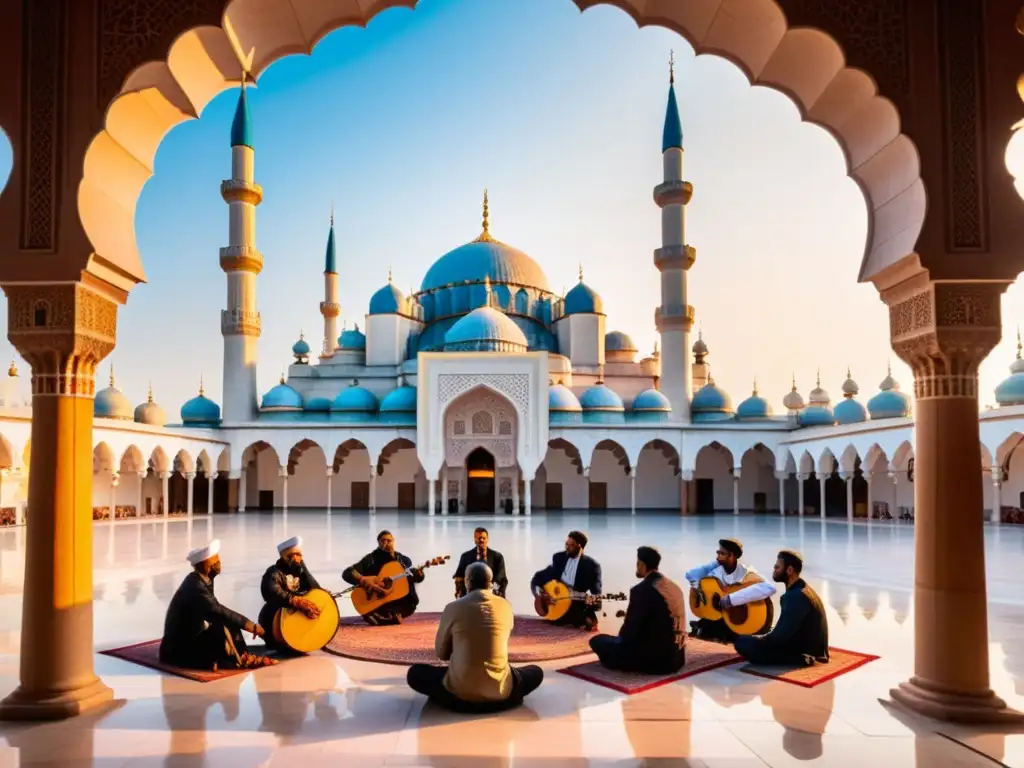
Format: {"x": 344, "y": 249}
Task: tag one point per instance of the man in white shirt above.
{"x": 728, "y": 570}
{"x": 581, "y": 574}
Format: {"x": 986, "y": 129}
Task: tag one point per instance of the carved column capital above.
{"x": 943, "y": 331}
{"x": 63, "y": 332}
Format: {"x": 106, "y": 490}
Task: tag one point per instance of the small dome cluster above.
{"x": 111, "y": 403}
{"x": 200, "y": 411}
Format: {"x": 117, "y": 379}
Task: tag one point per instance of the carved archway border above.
{"x": 806, "y": 64}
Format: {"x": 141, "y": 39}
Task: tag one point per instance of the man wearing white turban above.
{"x": 285, "y": 585}
{"x": 199, "y": 632}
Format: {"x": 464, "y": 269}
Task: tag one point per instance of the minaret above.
{"x": 330, "y": 308}
{"x": 674, "y": 317}
{"x": 241, "y": 262}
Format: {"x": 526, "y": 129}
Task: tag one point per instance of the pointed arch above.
{"x": 132, "y": 460}
{"x": 305, "y": 448}
{"x": 848, "y": 460}
{"x": 103, "y": 458}
{"x": 617, "y": 451}
{"x": 158, "y": 460}
{"x": 183, "y": 462}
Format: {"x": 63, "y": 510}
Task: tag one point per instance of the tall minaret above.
{"x": 241, "y": 262}
{"x": 674, "y": 317}
{"x": 330, "y": 308}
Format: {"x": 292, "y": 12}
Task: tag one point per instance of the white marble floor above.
{"x": 323, "y": 710}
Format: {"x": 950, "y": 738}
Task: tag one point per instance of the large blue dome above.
{"x": 282, "y": 398}
{"x": 485, "y": 258}
{"x": 357, "y": 399}
{"x": 401, "y": 400}
{"x": 485, "y": 329}
{"x": 199, "y": 411}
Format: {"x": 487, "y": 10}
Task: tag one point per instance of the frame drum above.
{"x": 302, "y": 634}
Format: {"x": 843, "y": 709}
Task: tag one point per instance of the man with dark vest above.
{"x": 285, "y": 585}
{"x": 581, "y": 574}
{"x": 481, "y": 553}
{"x": 364, "y": 574}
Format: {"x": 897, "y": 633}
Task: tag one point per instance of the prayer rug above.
{"x": 840, "y": 662}
{"x": 412, "y": 641}
{"x": 701, "y": 656}
{"x": 147, "y": 654}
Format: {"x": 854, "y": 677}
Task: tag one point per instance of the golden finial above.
{"x": 202, "y": 392}
{"x": 755, "y": 387}
{"x": 581, "y": 272}
{"x": 671, "y": 67}
{"x": 485, "y": 235}
{"x": 282, "y": 376}
{"x": 302, "y": 334}
{"x": 711, "y": 379}
{"x": 656, "y": 352}
{"x": 1018, "y": 343}
{"x": 111, "y": 374}
{"x": 794, "y": 381}
{"x": 389, "y": 273}
{"x": 149, "y": 397}
{"x": 817, "y": 382}
{"x": 888, "y": 367}
{"x": 848, "y": 374}
{"x": 332, "y": 213}
{"x": 13, "y": 370}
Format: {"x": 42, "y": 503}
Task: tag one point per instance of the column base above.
{"x": 22, "y": 705}
{"x": 924, "y": 698}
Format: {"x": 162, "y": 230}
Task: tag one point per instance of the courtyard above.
{"x": 327, "y": 710}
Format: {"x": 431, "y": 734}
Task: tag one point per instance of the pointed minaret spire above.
{"x": 672, "y": 72}
{"x": 389, "y": 273}
{"x": 794, "y": 381}
{"x": 485, "y": 234}
{"x": 241, "y": 126}
{"x": 149, "y": 397}
{"x": 202, "y": 391}
{"x": 672, "y": 135}
{"x": 581, "y": 272}
{"x": 330, "y": 307}
{"x": 754, "y": 393}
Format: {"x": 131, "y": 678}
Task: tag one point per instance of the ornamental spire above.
{"x": 671, "y": 67}
{"x": 1018, "y": 342}
{"x": 581, "y": 272}
{"x": 149, "y": 397}
{"x": 112, "y": 367}
{"x": 672, "y": 134}
{"x": 485, "y": 234}
{"x": 202, "y": 392}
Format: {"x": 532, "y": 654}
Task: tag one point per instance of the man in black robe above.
{"x": 199, "y": 632}
{"x": 653, "y": 636}
{"x": 364, "y": 574}
{"x": 482, "y": 553}
{"x": 581, "y": 574}
{"x": 285, "y": 585}
{"x": 800, "y": 637}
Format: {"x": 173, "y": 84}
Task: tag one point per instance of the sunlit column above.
{"x": 210, "y": 477}
{"x": 444, "y": 489}
{"x": 527, "y": 488}
{"x": 114, "y": 478}
{"x": 515, "y": 491}
{"x": 330, "y": 483}
{"x": 801, "y": 478}
{"x": 736, "y": 491}
{"x": 190, "y": 477}
{"x": 847, "y": 478}
{"x": 241, "y": 492}
{"x": 782, "y": 477}
{"x": 632, "y": 491}
{"x": 373, "y": 490}
{"x": 284, "y": 488}
{"x": 432, "y": 495}
{"x": 821, "y": 483}
{"x": 997, "y": 496}
{"x": 138, "y": 505}
{"x": 165, "y": 478}
{"x": 868, "y": 476}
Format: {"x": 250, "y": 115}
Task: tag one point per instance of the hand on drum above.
{"x": 308, "y": 607}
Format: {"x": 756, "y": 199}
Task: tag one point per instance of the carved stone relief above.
{"x": 481, "y": 410}
{"x": 514, "y": 386}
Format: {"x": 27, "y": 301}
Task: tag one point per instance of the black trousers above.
{"x": 757, "y": 651}
{"x": 614, "y": 655}
{"x": 216, "y": 645}
{"x": 429, "y": 680}
{"x": 715, "y": 629}
{"x": 393, "y": 613}
{"x": 578, "y": 615}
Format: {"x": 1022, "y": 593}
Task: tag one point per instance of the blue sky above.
{"x": 559, "y": 114}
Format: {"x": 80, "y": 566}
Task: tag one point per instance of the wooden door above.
{"x": 598, "y": 496}
{"x": 553, "y": 496}
{"x": 360, "y": 494}
{"x": 266, "y": 500}
{"x": 407, "y": 495}
{"x": 705, "y": 496}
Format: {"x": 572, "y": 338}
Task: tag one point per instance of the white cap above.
{"x": 197, "y": 556}
{"x": 295, "y": 542}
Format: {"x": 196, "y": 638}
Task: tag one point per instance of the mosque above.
{"x": 486, "y": 391}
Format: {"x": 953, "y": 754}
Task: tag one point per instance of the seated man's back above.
{"x": 473, "y": 635}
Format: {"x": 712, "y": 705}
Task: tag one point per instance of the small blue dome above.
{"x": 754, "y": 407}
{"x": 890, "y": 403}
{"x": 485, "y": 329}
{"x": 600, "y": 398}
{"x": 282, "y": 398}
{"x": 401, "y": 400}
{"x": 817, "y": 416}
{"x": 561, "y": 399}
{"x": 387, "y": 301}
{"x": 352, "y": 339}
{"x": 1009, "y": 392}
{"x": 111, "y": 403}
{"x": 617, "y": 341}
{"x": 711, "y": 399}
{"x": 300, "y": 348}
{"x": 200, "y": 410}
{"x": 318, "y": 405}
{"x": 241, "y": 126}
{"x": 651, "y": 400}
{"x": 582, "y": 299}
{"x": 849, "y": 411}
{"x": 357, "y": 399}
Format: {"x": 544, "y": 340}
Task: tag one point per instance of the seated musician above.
{"x": 728, "y": 570}
{"x": 284, "y": 584}
{"x": 653, "y": 635}
{"x": 473, "y": 638}
{"x": 581, "y": 574}
{"x": 800, "y": 637}
{"x": 364, "y": 574}
{"x": 481, "y": 553}
{"x": 199, "y": 632}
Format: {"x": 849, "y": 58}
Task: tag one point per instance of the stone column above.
{"x": 284, "y": 488}
{"x": 444, "y": 489}
{"x": 736, "y": 491}
{"x": 515, "y": 492}
{"x": 632, "y": 491}
{"x": 821, "y": 484}
{"x": 497, "y": 492}
{"x": 138, "y": 505}
{"x": 241, "y": 492}
{"x": 373, "y": 490}
{"x": 210, "y": 477}
{"x": 528, "y": 490}
{"x": 782, "y": 477}
{"x": 847, "y": 478}
{"x": 997, "y": 495}
{"x": 113, "y": 496}
{"x": 165, "y": 478}
{"x": 62, "y": 332}
{"x": 944, "y": 331}
{"x": 685, "y": 486}
{"x": 330, "y": 483}
{"x": 190, "y": 477}
{"x": 871, "y": 494}
{"x": 432, "y": 495}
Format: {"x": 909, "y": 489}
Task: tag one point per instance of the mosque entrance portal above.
{"x": 480, "y": 481}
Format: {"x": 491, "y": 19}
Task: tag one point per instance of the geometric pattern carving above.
{"x": 960, "y": 35}
{"x": 459, "y": 427}
{"x": 505, "y": 428}
{"x": 483, "y": 423}
{"x": 482, "y": 408}
{"x": 41, "y": 96}
{"x": 514, "y": 386}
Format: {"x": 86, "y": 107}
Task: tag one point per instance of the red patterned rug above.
{"x": 840, "y": 662}
{"x": 412, "y": 641}
{"x": 701, "y": 656}
{"x": 147, "y": 654}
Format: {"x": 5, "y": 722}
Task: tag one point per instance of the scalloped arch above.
{"x": 805, "y": 64}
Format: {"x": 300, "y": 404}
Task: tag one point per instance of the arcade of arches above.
{"x": 921, "y": 96}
